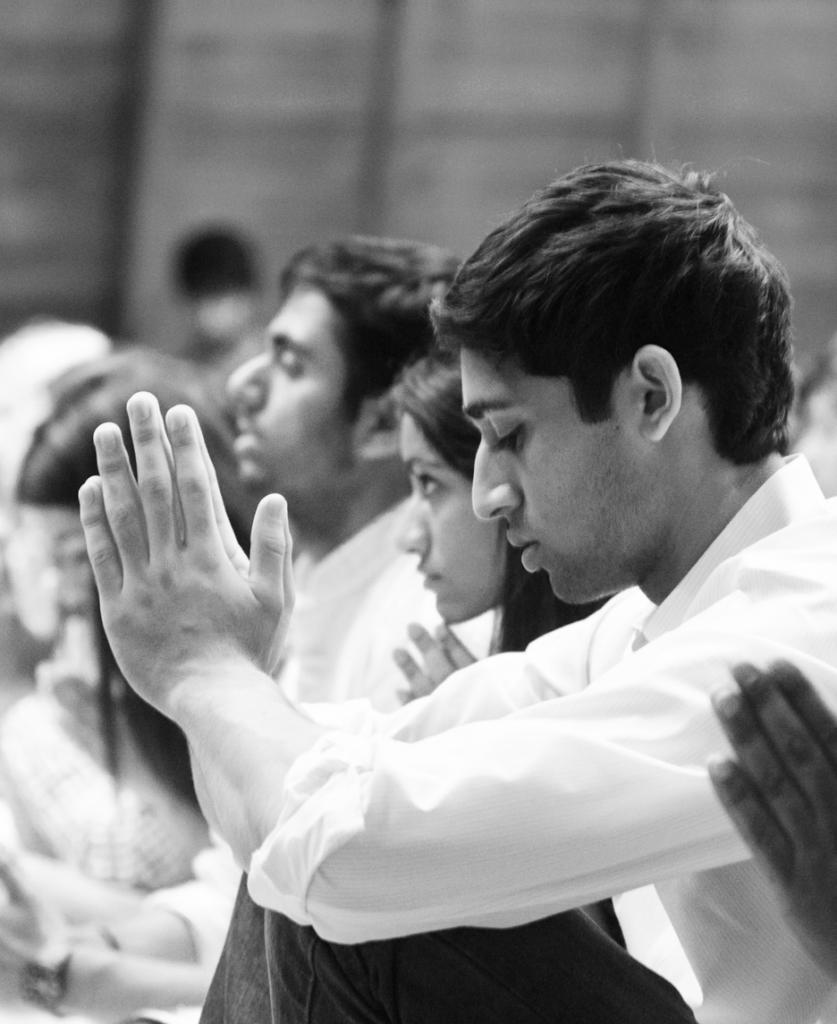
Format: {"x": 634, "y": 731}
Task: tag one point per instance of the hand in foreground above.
{"x": 177, "y": 592}
{"x": 30, "y": 930}
{"x": 442, "y": 653}
{"x": 781, "y": 792}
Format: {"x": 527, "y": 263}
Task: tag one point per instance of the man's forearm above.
{"x": 244, "y": 735}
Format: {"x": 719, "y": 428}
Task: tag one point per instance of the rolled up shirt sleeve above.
{"x": 532, "y": 810}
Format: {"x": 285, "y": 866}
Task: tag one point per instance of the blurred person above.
{"x": 98, "y": 781}
{"x": 815, "y": 430}
{"x": 314, "y": 416}
{"x": 625, "y": 344}
{"x": 467, "y": 564}
{"x": 217, "y": 276}
{"x": 96, "y": 776}
{"x": 779, "y": 786}
{"x": 30, "y": 358}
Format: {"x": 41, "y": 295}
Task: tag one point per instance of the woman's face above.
{"x": 462, "y": 558}
{"x": 50, "y": 575}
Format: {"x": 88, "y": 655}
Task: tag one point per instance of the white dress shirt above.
{"x": 493, "y": 803}
{"x": 361, "y": 595}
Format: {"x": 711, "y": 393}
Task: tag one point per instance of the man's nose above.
{"x": 247, "y": 387}
{"x": 492, "y": 493}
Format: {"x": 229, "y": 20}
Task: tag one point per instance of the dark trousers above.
{"x": 561, "y": 969}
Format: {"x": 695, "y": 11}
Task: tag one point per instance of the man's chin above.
{"x": 574, "y": 588}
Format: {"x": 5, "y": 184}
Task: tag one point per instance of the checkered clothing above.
{"x": 59, "y": 787}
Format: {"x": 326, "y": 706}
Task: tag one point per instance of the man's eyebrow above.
{"x": 280, "y": 340}
{"x": 476, "y": 410}
{"x": 417, "y": 461}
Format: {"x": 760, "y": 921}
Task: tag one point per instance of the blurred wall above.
{"x": 67, "y": 96}
{"x": 301, "y": 119}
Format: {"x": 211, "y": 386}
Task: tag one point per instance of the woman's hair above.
{"x": 430, "y": 390}
{"x": 61, "y": 457}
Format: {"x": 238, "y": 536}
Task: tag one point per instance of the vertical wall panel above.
{"x": 261, "y": 113}
{"x": 255, "y": 121}
{"x": 61, "y": 88}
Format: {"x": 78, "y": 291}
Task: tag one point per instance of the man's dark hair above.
{"x": 382, "y": 290}
{"x": 215, "y": 260}
{"x": 614, "y": 256}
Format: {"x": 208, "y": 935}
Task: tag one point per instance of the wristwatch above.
{"x": 45, "y": 984}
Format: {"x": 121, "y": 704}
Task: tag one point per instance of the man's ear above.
{"x": 375, "y": 430}
{"x": 654, "y": 390}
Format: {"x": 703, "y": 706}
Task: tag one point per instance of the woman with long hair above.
{"x": 467, "y": 563}
{"x": 96, "y": 777}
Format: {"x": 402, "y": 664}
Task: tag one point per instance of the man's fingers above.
{"x": 289, "y": 586}
{"x": 228, "y": 537}
{"x": 101, "y": 549}
{"x": 121, "y": 496}
{"x": 808, "y": 745}
{"x": 820, "y": 722}
{"x": 271, "y": 578}
{"x": 761, "y": 831}
{"x": 800, "y": 744}
{"x": 757, "y": 755}
{"x": 154, "y": 474}
{"x": 191, "y": 478}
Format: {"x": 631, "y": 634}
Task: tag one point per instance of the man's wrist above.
{"x": 217, "y": 681}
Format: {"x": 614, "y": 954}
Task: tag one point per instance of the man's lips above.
{"x": 517, "y": 541}
{"x": 245, "y": 441}
{"x": 529, "y": 557}
{"x": 248, "y": 456}
{"x": 528, "y": 551}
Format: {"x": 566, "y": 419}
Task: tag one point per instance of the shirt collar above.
{"x": 790, "y": 493}
{"x": 363, "y": 556}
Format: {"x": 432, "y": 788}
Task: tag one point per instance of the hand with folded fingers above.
{"x": 780, "y": 789}
{"x": 177, "y": 593}
{"x": 441, "y": 653}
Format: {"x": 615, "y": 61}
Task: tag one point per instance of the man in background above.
{"x": 216, "y": 276}
{"x": 314, "y": 419}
